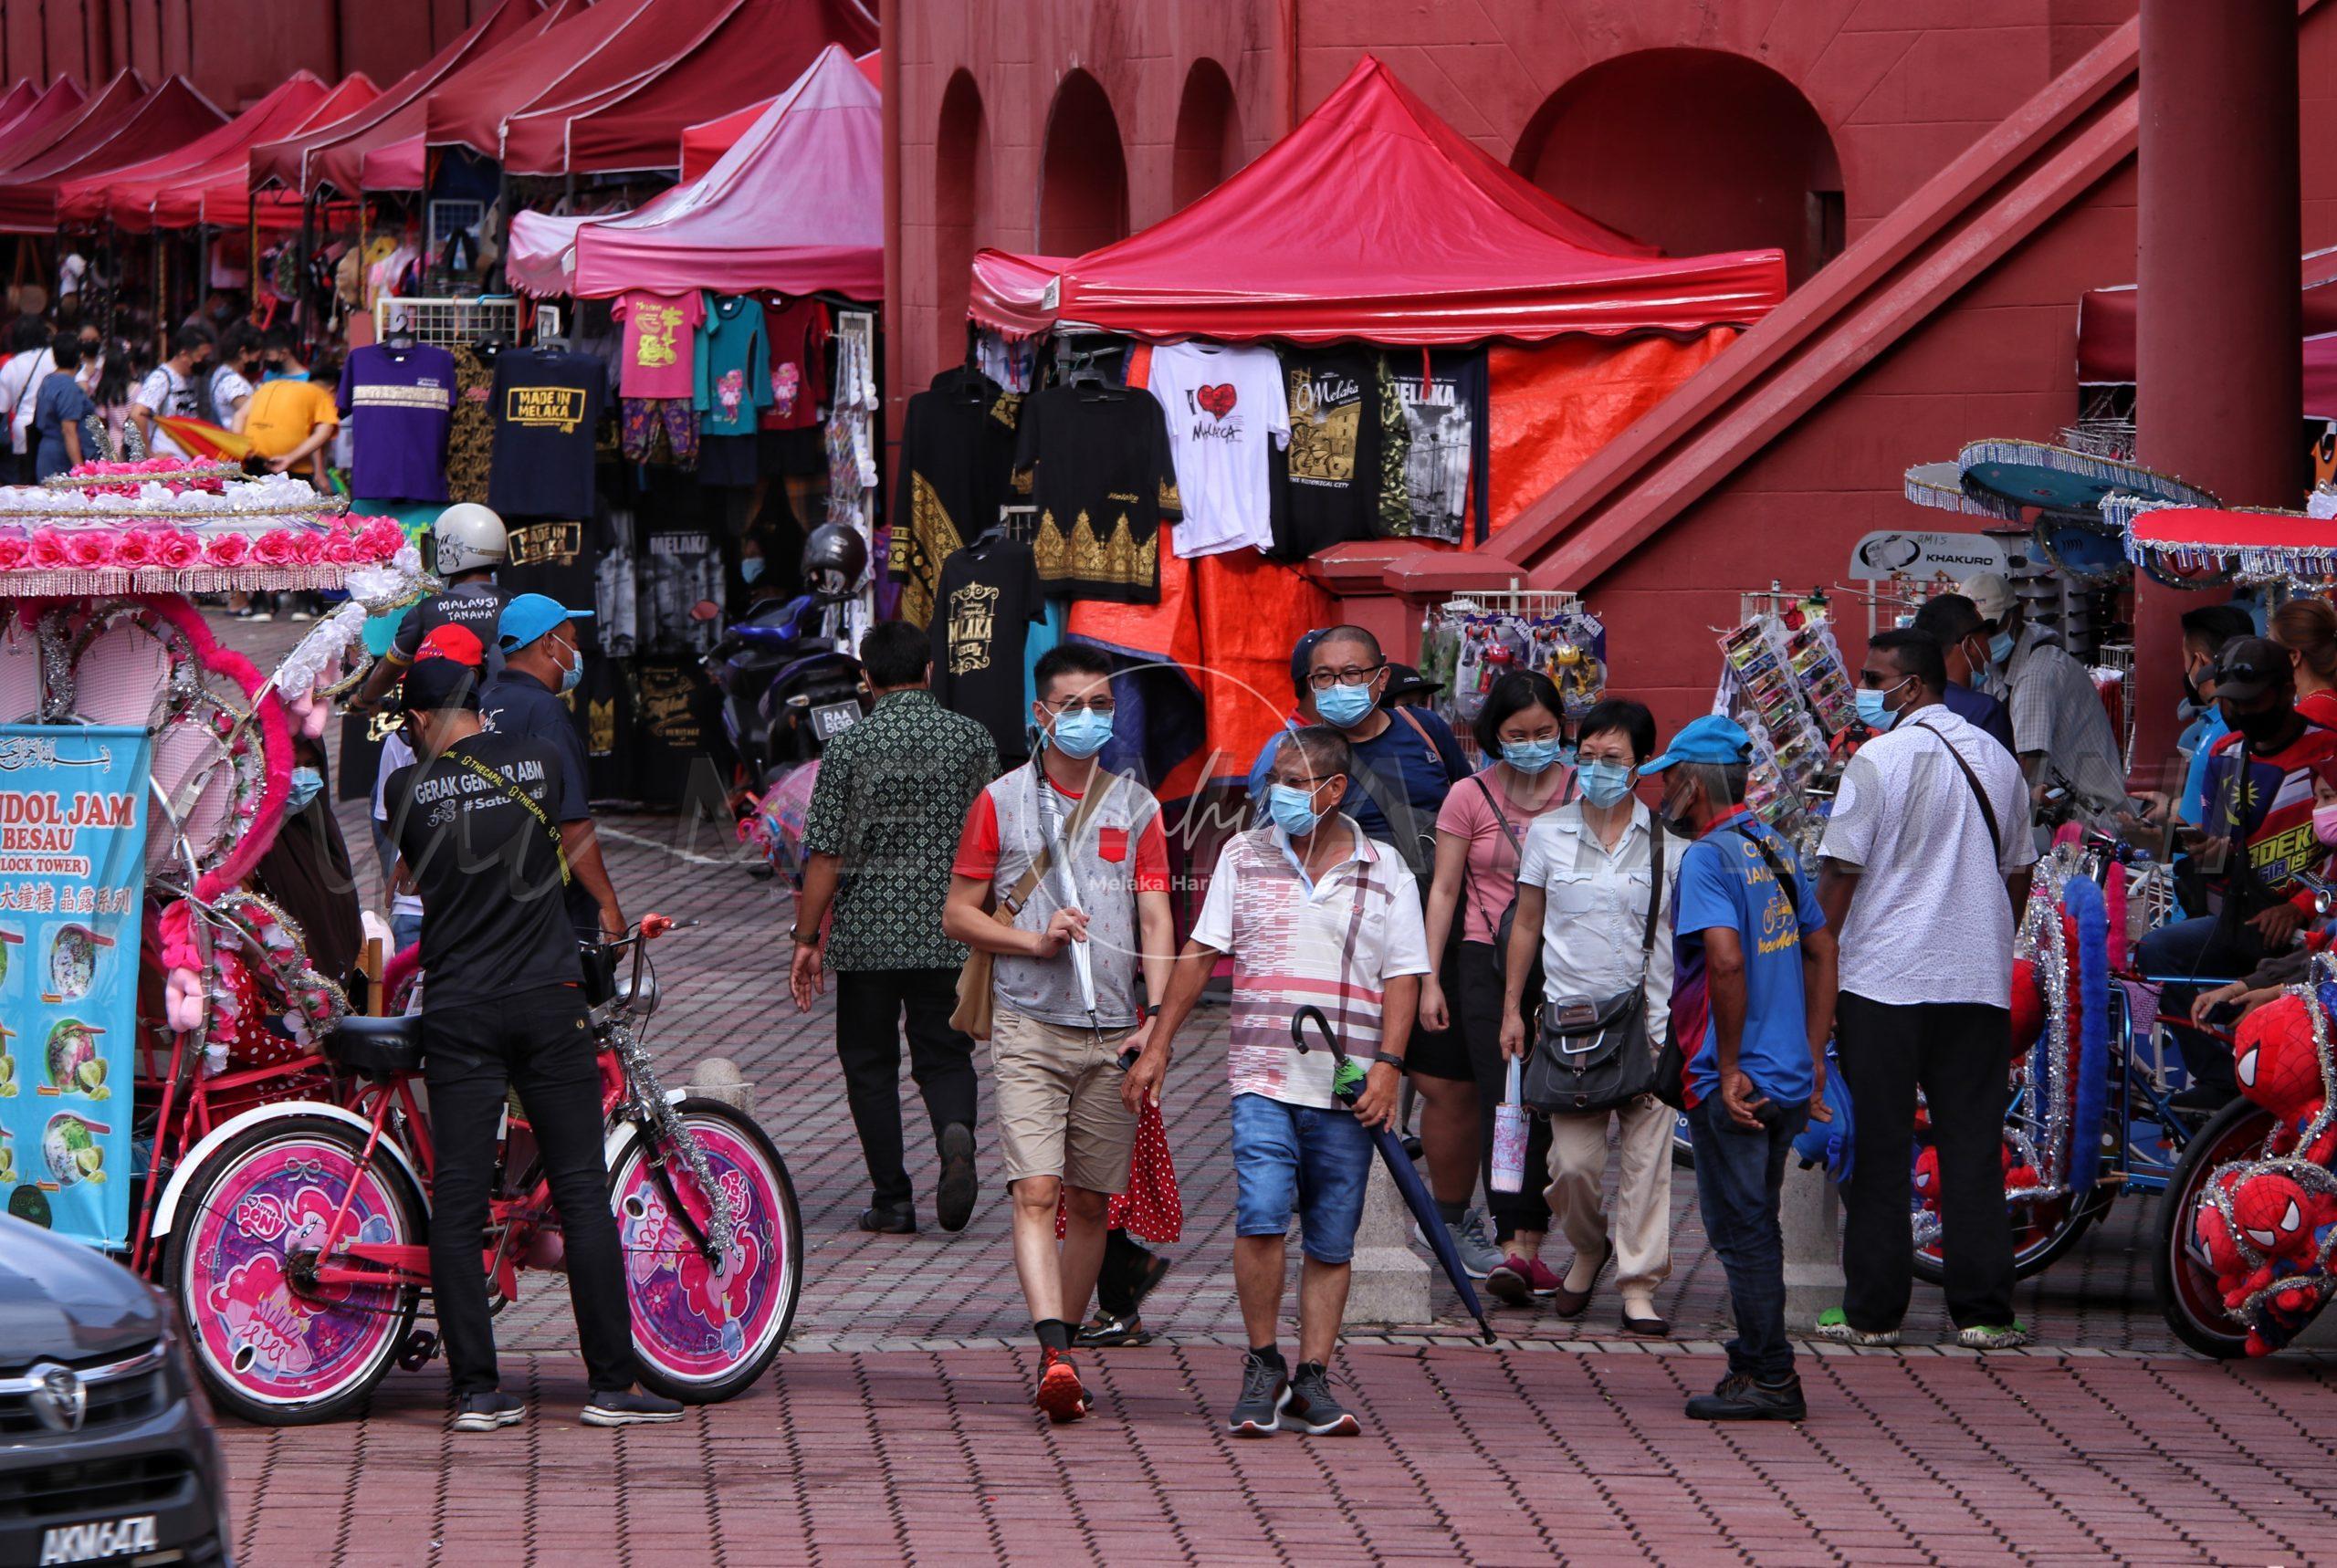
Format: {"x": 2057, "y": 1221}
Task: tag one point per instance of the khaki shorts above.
{"x": 1057, "y": 1093}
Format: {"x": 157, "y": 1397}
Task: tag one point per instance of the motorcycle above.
{"x": 786, "y": 687}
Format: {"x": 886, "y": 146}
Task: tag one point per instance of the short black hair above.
{"x": 191, "y": 336}
{"x": 1512, "y": 695}
{"x": 243, "y": 338}
{"x": 1326, "y": 751}
{"x": 1950, "y": 617}
{"x": 2216, "y": 624}
{"x": 66, "y": 349}
{"x": 1629, "y": 719}
{"x": 1303, "y": 655}
{"x": 895, "y": 654}
{"x": 1068, "y": 659}
{"x": 1918, "y": 653}
{"x": 27, "y": 335}
{"x": 277, "y": 338}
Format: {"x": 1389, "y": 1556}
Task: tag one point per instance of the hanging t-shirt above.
{"x": 546, "y": 404}
{"x": 1332, "y": 486}
{"x": 987, "y": 597}
{"x": 553, "y": 559}
{"x": 956, "y": 468}
{"x": 671, "y": 737}
{"x": 470, "y": 437}
{"x": 400, "y": 402}
{"x": 660, "y": 353}
{"x": 1099, "y": 469}
{"x": 1226, "y": 408}
{"x": 733, "y": 375}
{"x": 796, "y": 334}
{"x": 1445, "y": 464}
{"x": 605, "y": 699}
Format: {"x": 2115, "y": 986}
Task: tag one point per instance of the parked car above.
{"x": 107, "y": 1452}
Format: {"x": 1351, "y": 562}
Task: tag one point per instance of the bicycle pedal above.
{"x": 420, "y": 1349}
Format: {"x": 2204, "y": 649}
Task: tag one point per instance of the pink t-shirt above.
{"x": 1489, "y": 876}
{"x": 660, "y": 344}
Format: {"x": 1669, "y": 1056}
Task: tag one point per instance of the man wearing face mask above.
{"x": 2060, "y": 730}
{"x": 1061, "y": 873}
{"x": 2254, "y": 842}
{"x": 542, "y": 665}
{"x": 1961, "y": 634}
{"x": 1923, "y": 870}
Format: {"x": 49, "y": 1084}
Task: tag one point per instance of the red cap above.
{"x": 454, "y": 642}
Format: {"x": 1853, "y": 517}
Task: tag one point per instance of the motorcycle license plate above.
{"x": 832, "y": 719}
{"x": 99, "y": 1540}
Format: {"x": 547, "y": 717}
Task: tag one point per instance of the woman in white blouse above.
{"x": 1584, "y": 885}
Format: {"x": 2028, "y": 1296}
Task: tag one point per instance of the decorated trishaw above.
{"x": 178, "y": 1084}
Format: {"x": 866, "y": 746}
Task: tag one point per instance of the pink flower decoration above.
{"x": 228, "y": 551}
{"x": 179, "y": 550}
{"x": 274, "y": 549}
{"x": 308, "y": 547}
{"x": 15, "y": 548}
{"x": 135, "y": 548}
{"x": 342, "y": 549}
{"x": 381, "y": 538}
{"x": 89, "y": 549}
{"x": 48, "y": 549}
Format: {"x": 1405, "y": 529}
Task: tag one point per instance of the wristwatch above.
{"x": 803, "y": 941}
{"x": 1394, "y": 1061}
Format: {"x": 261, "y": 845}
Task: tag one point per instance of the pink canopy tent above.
{"x": 288, "y": 163}
{"x": 100, "y": 143}
{"x": 796, "y": 207}
{"x": 127, "y": 194}
{"x": 42, "y": 123}
{"x": 81, "y": 120}
{"x": 2106, "y": 352}
{"x": 611, "y": 43}
{"x": 219, "y": 193}
{"x": 1015, "y": 294}
{"x": 708, "y": 140}
{"x": 1374, "y": 219}
{"x": 19, "y": 98}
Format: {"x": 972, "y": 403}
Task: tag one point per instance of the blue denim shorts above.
{"x": 1290, "y": 1157}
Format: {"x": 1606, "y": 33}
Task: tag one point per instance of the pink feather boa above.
{"x": 275, "y": 737}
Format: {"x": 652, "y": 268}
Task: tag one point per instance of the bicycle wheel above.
{"x": 269, "y": 1347}
{"x": 2187, "y": 1292}
{"x": 704, "y": 1333}
{"x": 2041, "y": 1230}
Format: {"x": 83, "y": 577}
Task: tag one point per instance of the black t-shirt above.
{"x": 476, "y": 605}
{"x": 957, "y": 457}
{"x": 1445, "y": 476}
{"x": 1101, "y": 476}
{"x": 988, "y": 596}
{"x": 487, "y": 867}
{"x": 556, "y": 558}
{"x": 546, "y": 404}
{"x": 1327, "y": 485}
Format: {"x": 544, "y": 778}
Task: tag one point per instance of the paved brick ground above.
{"x": 897, "y": 1426}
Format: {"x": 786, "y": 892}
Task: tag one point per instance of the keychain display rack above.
{"x": 1470, "y": 641}
{"x": 1783, "y": 677}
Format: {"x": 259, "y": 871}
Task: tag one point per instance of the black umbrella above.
{"x": 1346, "y": 1085}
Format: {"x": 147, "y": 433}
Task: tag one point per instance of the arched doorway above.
{"x": 1083, "y": 175}
{"x": 960, "y": 181}
{"x": 1208, "y": 134}
{"x": 1691, "y": 150}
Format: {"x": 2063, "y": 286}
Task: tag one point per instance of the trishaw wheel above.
{"x": 2186, "y": 1287}
{"x": 702, "y": 1331}
{"x": 270, "y": 1348}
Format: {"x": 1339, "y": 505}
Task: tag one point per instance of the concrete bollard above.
{"x": 717, "y": 1078}
{"x": 1810, "y": 1213}
{"x": 1389, "y": 1288}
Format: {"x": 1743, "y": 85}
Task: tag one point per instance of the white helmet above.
{"x": 471, "y": 537}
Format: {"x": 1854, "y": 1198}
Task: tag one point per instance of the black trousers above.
{"x": 537, "y": 1042}
{"x": 1478, "y": 1011}
{"x": 1960, "y": 1055}
{"x": 870, "y": 1004}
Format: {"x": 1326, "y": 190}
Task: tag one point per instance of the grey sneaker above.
{"x": 1264, "y": 1391}
{"x": 2009, "y": 1336}
{"x": 1479, "y": 1256}
{"x": 1310, "y": 1407}
{"x": 629, "y": 1407}
{"x": 485, "y": 1412}
{"x": 1833, "y": 1325}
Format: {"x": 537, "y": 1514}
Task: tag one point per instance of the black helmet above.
{"x": 834, "y": 557}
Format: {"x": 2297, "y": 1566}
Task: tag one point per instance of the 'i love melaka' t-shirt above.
{"x": 1224, "y": 407}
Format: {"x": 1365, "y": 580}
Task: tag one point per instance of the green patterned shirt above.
{"x": 892, "y": 795}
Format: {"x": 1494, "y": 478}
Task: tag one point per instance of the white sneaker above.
{"x": 258, "y": 616}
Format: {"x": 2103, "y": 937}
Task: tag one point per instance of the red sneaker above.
{"x": 1522, "y": 1282}
{"x": 1060, "y": 1395}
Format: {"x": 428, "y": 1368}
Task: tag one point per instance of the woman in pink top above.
{"x": 1479, "y": 834}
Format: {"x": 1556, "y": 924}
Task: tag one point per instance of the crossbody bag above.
{"x": 976, "y": 1005}
{"x": 1988, "y": 811}
{"x": 1506, "y": 920}
{"x": 1592, "y": 1056}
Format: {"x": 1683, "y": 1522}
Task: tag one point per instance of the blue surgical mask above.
{"x": 1533, "y": 756}
{"x": 1604, "y": 783}
{"x": 751, "y": 568}
{"x": 1293, "y": 810}
{"x": 1871, "y": 713}
{"x": 1342, "y": 708}
{"x": 1081, "y": 733}
{"x": 306, "y": 782}
{"x": 572, "y": 675}
{"x": 2000, "y": 648}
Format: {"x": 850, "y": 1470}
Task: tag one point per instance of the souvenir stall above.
{"x": 144, "y": 771}
{"x": 1198, "y": 413}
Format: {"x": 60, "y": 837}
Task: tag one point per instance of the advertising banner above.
{"x": 72, "y": 875}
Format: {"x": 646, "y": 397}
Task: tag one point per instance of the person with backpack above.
{"x": 1480, "y": 834}
{"x": 1922, "y": 869}
{"x": 1596, "y": 884}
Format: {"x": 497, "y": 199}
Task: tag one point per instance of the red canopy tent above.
{"x": 128, "y": 194}
{"x": 33, "y": 138}
{"x": 288, "y": 163}
{"x": 704, "y": 143}
{"x": 796, "y": 207}
{"x": 43, "y": 123}
{"x": 1374, "y": 219}
{"x": 612, "y": 43}
{"x": 1015, "y": 294}
{"x": 2106, "y": 354}
{"x": 19, "y": 98}
{"x": 102, "y": 142}
{"x": 639, "y": 125}
{"x": 220, "y": 193}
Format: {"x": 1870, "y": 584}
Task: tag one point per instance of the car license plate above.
{"x": 832, "y": 719}
{"x": 97, "y": 1541}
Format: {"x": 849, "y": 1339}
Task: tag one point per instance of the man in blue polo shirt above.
{"x": 541, "y": 665}
{"x": 1753, "y": 981}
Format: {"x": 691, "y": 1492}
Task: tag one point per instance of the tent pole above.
{"x": 162, "y": 298}
{"x": 310, "y": 330}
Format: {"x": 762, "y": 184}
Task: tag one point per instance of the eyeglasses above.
{"x": 1353, "y": 675}
{"x": 1075, "y": 704}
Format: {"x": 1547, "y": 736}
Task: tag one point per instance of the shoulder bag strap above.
{"x": 1988, "y": 811}
{"x": 1011, "y": 906}
{"x": 1654, "y": 894}
{"x": 513, "y": 792}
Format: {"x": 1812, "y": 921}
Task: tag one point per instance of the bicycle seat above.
{"x": 365, "y": 1044}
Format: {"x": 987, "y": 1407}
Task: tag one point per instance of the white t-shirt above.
{"x": 69, "y": 273}
{"x": 227, "y": 389}
{"x": 396, "y": 753}
{"x": 1223, "y": 406}
{"x": 1930, "y": 921}
{"x": 20, "y": 381}
{"x": 164, "y": 391}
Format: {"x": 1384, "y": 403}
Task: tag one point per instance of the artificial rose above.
{"x": 134, "y": 548}
{"x": 178, "y": 549}
{"x": 308, "y": 547}
{"x": 381, "y": 538}
{"x": 228, "y": 550}
{"x": 89, "y": 549}
{"x": 48, "y": 549}
{"x": 342, "y": 549}
{"x": 275, "y": 547}
{"x": 15, "y": 547}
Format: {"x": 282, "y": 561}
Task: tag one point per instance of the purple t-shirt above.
{"x": 402, "y": 402}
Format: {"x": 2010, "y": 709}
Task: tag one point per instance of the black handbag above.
{"x": 1596, "y": 1058}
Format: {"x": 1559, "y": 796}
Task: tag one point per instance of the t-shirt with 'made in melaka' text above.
{"x": 545, "y": 407}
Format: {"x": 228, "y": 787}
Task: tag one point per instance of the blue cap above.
{"x": 530, "y": 616}
{"x": 1711, "y": 739}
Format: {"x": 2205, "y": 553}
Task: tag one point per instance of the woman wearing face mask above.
{"x": 1584, "y": 885}
{"x": 2268, "y": 978}
{"x": 1479, "y": 836}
